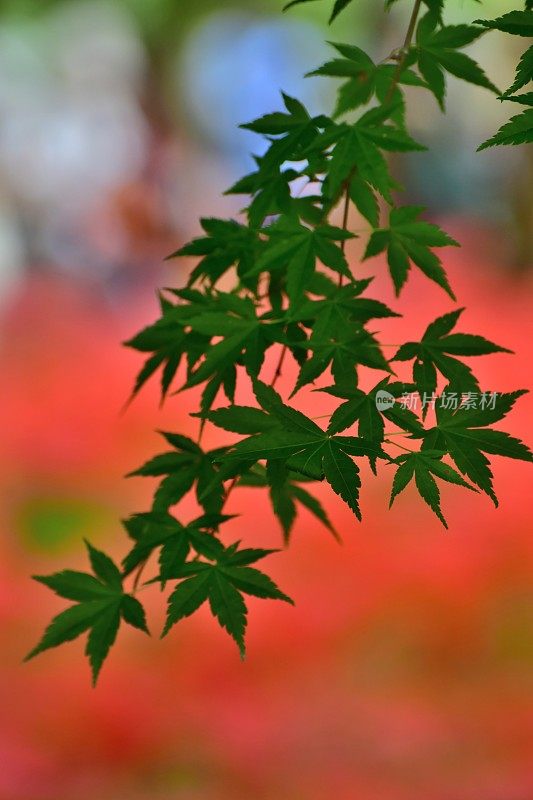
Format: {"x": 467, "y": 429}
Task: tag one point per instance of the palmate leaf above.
{"x": 290, "y": 135}
{"x": 462, "y": 434}
{"x": 339, "y": 306}
{"x": 359, "y": 147}
{"x": 183, "y": 468}
{"x": 227, "y": 244}
{"x": 436, "y": 52}
{"x": 244, "y": 338}
{"x": 364, "y": 79}
{"x": 409, "y": 240}
{"x": 363, "y": 408}
{"x": 101, "y": 604}
{"x": 293, "y": 250}
{"x": 305, "y": 448}
{"x": 344, "y": 352}
{"x": 169, "y": 343}
{"x": 223, "y": 585}
{"x": 158, "y": 530}
{"x": 436, "y": 352}
{"x": 339, "y": 338}
{"x": 423, "y": 466}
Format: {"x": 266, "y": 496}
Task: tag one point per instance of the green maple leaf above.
{"x": 338, "y": 335}
{"x": 154, "y": 530}
{"x": 344, "y": 351}
{"x": 227, "y": 244}
{"x": 101, "y": 603}
{"x": 358, "y": 148}
{"x": 290, "y": 135}
{"x": 437, "y": 350}
{"x": 270, "y": 191}
{"x": 222, "y": 584}
{"x": 305, "y": 448}
{"x": 436, "y": 52}
{"x": 423, "y": 466}
{"x": 185, "y": 466}
{"x": 169, "y": 342}
{"x": 293, "y": 250}
{"x": 339, "y": 306}
{"x": 408, "y": 240}
{"x": 245, "y": 338}
{"x": 462, "y": 434}
{"x": 364, "y": 78}
{"x": 362, "y": 407}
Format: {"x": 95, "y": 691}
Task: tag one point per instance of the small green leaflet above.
{"x": 338, "y": 6}
{"x": 223, "y": 584}
{"x": 408, "y": 239}
{"x": 101, "y": 604}
{"x": 227, "y": 244}
{"x": 462, "y": 434}
{"x": 524, "y": 72}
{"x": 519, "y": 130}
{"x": 423, "y": 467}
{"x": 519, "y": 23}
{"x": 437, "y": 52}
{"x": 185, "y": 466}
{"x": 436, "y": 351}
{"x": 435, "y": 6}
{"x": 285, "y": 492}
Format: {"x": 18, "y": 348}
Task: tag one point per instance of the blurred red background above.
{"x": 405, "y": 670}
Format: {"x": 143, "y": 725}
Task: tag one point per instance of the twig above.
{"x": 406, "y": 45}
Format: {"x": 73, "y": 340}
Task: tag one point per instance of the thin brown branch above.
{"x": 345, "y": 216}
{"x": 279, "y": 367}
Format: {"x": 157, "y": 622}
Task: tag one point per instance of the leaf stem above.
{"x": 279, "y": 367}
{"x": 399, "y": 445}
{"x": 406, "y": 45}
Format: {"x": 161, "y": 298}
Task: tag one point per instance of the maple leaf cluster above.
{"x": 294, "y": 291}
